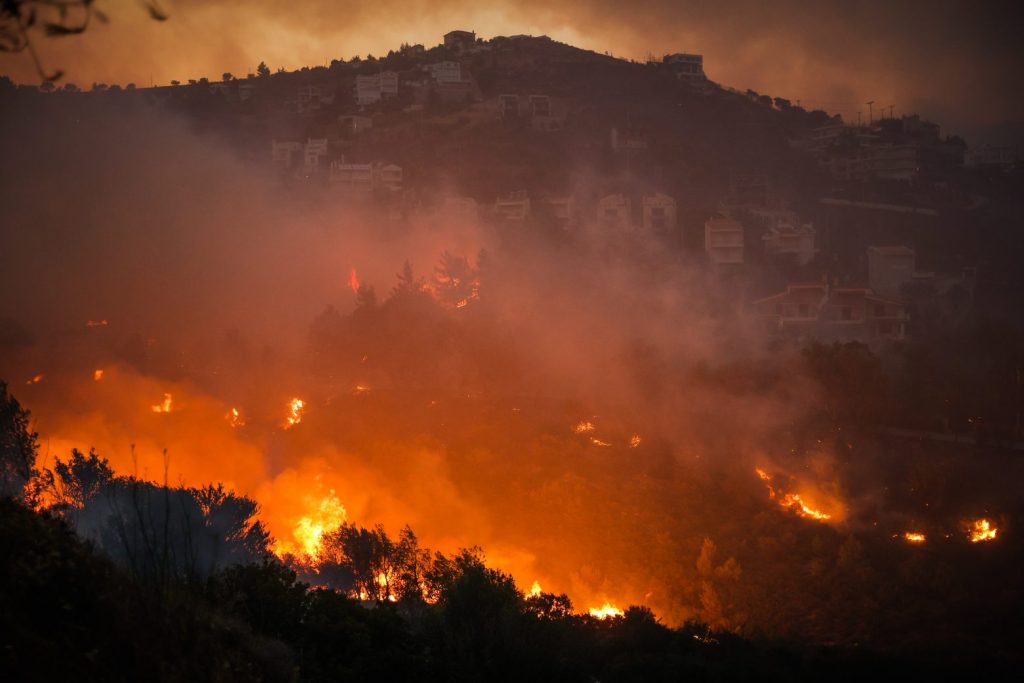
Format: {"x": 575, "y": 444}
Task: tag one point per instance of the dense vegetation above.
{"x": 175, "y": 583}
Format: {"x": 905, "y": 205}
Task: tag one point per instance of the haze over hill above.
{"x": 643, "y": 337}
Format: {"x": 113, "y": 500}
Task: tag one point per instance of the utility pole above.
{"x": 890, "y": 110}
{"x": 858, "y": 118}
{"x": 871, "y": 111}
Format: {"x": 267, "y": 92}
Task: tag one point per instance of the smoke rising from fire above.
{"x": 460, "y": 421}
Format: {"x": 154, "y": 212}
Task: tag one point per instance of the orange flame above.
{"x": 309, "y": 529}
{"x": 165, "y": 406}
{"x": 97, "y": 375}
{"x": 234, "y": 418}
{"x": 914, "y": 537}
{"x": 353, "y": 280}
{"x": 535, "y": 590}
{"x": 606, "y": 611}
{"x": 296, "y": 407}
{"x": 981, "y": 530}
{"x": 96, "y": 323}
{"x": 635, "y": 440}
{"x": 35, "y": 380}
{"x": 793, "y": 501}
{"x": 583, "y": 427}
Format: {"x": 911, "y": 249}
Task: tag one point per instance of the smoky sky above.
{"x": 956, "y": 62}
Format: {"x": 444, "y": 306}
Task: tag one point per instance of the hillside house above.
{"x": 658, "y": 213}
{"x": 375, "y": 87}
{"x": 791, "y": 239}
{"x": 353, "y": 124}
{"x": 285, "y": 154}
{"x": 627, "y": 140}
{"x": 446, "y": 72}
{"x": 614, "y": 211}
{"x": 459, "y": 41}
{"x": 515, "y": 207}
{"x": 723, "y": 241}
{"x": 314, "y": 155}
{"x": 818, "y": 311}
{"x": 685, "y": 66}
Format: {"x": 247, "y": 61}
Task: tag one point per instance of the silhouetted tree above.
{"x": 18, "y": 446}
{"x": 262, "y": 70}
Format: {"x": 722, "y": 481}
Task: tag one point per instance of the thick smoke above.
{"x": 470, "y": 424}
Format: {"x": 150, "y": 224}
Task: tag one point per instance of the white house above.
{"x": 355, "y": 124}
{"x": 792, "y": 239}
{"x": 314, "y": 153}
{"x": 723, "y": 241}
{"x": 375, "y": 87}
{"x": 659, "y": 213}
{"x": 615, "y": 211}
{"x": 515, "y": 207}
{"x": 446, "y": 72}
{"x": 352, "y": 177}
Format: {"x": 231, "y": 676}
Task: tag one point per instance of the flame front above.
{"x": 164, "y": 406}
{"x": 793, "y": 501}
{"x": 97, "y": 375}
{"x": 606, "y": 611}
{"x": 583, "y": 427}
{"x": 353, "y": 280}
{"x": 296, "y": 407}
{"x": 981, "y": 530}
{"x": 535, "y": 590}
{"x": 914, "y": 537}
{"x": 328, "y": 514}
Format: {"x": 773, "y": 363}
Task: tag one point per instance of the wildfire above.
{"x": 635, "y": 441}
{"x": 163, "y": 407}
{"x": 583, "y": 427}
{"x": 361, "y": 390}
{"x": 535, "y": 590}
{"x": 606, "y": 611}
{"x": 97, "y": 375}
{"x": 296, "y": 407}
{"x": 329, "y": 513}
{"x": 96, "y": 323}
{"x": 792, "y": 501}
{"x": 35, "y": 380}
{"x": 234, "y": 418}
{"x": 353, "y": 280}
{"x": 597, "y": 442}
{"x": 914, "y": 537}
{"x": 981, "y": 530}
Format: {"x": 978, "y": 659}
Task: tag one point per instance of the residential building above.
{"x": 366, "y": 177}
{"x": 791, "y": 239}
{"x": 685, "y": 66}
{"x": 459, "y": 41}
{"x": 627, "y": 140}
{"x": 543, "y": 112}
{"x": 659, "y": 213}
{"x": 1000, "y": 157}
{"x": 723, "y": 241}
{"x": 564, "y": 211}
{"x": 285, "y": 154}
{"x": 615, "y": 211}
{"x": 354, "y": 124}
{"x": 446, "y": 72}
{"x": 375, "y": 87}
{"x": 314, "y": 153}
{"x": 818, "y": 311}
{"x": 515, "y": 207}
